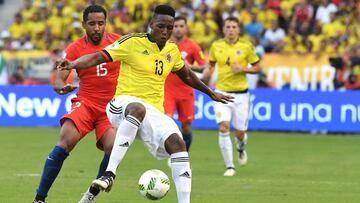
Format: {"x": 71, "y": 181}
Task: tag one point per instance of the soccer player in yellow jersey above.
{"x": 137, "y": 107}
{"x": 232, "y": 57}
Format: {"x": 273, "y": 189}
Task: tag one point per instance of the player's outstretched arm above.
{"x": 83, "y": 62}
{"x": 208, "y": 72}
{"x": 189, "y": 77}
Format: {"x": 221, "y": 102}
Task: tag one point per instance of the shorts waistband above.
{"x": 238, "y": 92}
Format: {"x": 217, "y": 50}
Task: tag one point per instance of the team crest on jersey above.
{"x": 238, "y": 52}
{"x": 168, "y": 57}
{"x": 218, "y": 115}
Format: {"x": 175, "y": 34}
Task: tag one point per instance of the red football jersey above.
{"x": 97, "y": 84}
{"x": 190, "y": 52}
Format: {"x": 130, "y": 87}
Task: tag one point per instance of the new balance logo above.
{"x": 126, "y": 144}
{"x": 186, "y": 175}
{"x": 146, "y": 52}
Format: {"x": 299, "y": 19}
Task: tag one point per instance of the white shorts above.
{"x": 153, "y": 131}
{"x": 238, "y": 111}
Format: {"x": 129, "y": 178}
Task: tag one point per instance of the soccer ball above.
{"x": 154, "y": 184}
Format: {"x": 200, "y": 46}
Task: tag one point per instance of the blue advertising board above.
{"x": 271, "y": 109}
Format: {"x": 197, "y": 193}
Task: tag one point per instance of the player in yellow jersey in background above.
{"x": 137, "y": 107}
{"x": 232, "y": 57}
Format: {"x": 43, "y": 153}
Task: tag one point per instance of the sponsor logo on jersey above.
{"x": 145, "y": 52}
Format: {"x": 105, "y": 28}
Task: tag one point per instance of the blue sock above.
{"x": 103, "y": 165}
{"x": 188, "y": 139}
{"x": 51, "y": 170}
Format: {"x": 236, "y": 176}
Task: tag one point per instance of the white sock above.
{"x": 125, "y": 136}
{"x": 181, "y": 173}
{"x": 226, "y": 149}
{"x": 240, "y": 144}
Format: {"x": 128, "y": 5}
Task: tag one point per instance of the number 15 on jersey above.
{"x": 101, "y": 70}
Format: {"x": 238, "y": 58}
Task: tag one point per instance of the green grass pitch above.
{"x": 282, "y": 168}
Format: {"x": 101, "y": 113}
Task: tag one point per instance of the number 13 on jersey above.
{"x": 159, "y": 67}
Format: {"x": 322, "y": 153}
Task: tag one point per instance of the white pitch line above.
{"x": 28, "y": 174}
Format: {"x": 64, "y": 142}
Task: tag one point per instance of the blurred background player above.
{"x": 88, "y": 108}
{"x": 137, "y": 107}
{"x": 179, "y": 96}
{"x": 232, "y": 56}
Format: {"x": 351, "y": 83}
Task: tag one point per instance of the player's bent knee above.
{"x": 174, "y": 143}
{"x": 107, "y": 147}
{"x": 224, "y": 127}
{"x": 67, "y": 144}
{"x": 186, "y": 128}
{"x": 137, "y": 110}
{"x": 107, "y": 140}
{"x": 239, "y": 133}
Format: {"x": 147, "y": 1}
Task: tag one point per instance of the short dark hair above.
{"x": 93, "y": 9}
{"x": 177, "y": 18}
{"x": 164, "y": 10}
{"x": 234, "y": 19}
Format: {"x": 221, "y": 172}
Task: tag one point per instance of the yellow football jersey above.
{"x": 225, "y": 54}
{"x": 144, "y": 67}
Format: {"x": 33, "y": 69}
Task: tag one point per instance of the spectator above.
{"x": 18, "y": 27}
{"x": 8, "y": 43}
{"x": 273, "y": 38}
{"x": 20, "y": 78}
{"x": 196, "y": 4}
{"x": 36, "y": 25}
{"x": 77, "y": 31}
{"x": 205, "y": 28}
{"x": 22, "y": 44}
{"x": 315, "y": 38}
{"x": 303, "y": 14}
{"x": 292, "y": 41}
{"x": 254, "y": 28}
{"x": 230, "y": 11}
{"x": 28, "y": 10}
{"x": 324, "y": 10}
{"x": 56, "y": 22}
{"x": 266, "y": 16}
{"x": 333, "y": 29}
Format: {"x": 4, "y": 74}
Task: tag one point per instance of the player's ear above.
{"x": 151, "y": 22}
{"x": 83, "y": 24}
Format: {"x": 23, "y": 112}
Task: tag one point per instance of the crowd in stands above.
{"x": 330, "y": 27}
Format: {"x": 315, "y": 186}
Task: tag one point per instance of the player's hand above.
{"x": 63, "y": 64}
{"x": 65, "y": 89}
{"x": 221, "y": 98}
{"x": 237, "y": 68}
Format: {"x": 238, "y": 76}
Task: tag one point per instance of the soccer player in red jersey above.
{"x": 97, "y": 87}
{"x": 179, "y": 96}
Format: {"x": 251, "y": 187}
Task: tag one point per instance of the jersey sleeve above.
{"x": 212, "y": 57}
{"x": 118, "y": 50}
{"x": 70, "y": 53}
{"x": 198, "y": 55}
{"x": 179, "y": 63}
{"x": 252, "y": 57}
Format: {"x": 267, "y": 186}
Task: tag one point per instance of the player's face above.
{"x": 180, "y": 29}
{"x": 161, "y": 28}
{"x": 231, "y": 30}
{"x": 95, "y": 26}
